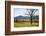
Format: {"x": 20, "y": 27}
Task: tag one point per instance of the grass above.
{"x": 25, "y": 24}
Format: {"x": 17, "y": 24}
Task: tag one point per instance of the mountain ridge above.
{"x": 23, "y": 17}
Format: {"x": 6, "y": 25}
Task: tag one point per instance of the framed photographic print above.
{"x": 24, "y": 17}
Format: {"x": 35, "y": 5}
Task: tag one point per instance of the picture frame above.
{"x": 8, "y": 23}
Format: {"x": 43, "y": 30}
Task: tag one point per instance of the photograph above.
{"x": 26, "y": 17}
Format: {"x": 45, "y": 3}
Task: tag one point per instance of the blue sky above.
{"x": 22, "y": 11}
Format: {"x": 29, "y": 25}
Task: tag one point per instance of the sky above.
{"x": 22, "y": 12}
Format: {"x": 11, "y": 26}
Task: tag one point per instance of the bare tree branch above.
{"x": 30, "y": 13}
{"x": 35, "y": 11}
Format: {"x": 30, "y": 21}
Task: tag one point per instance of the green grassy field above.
{"x": 25, "y": 24}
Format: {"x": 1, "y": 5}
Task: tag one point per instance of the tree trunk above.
{"x": 31, "y": 19}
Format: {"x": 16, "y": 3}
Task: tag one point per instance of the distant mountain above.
{"x": 24, "y": 17}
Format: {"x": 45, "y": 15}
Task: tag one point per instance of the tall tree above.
{"x": 30, "y": 13}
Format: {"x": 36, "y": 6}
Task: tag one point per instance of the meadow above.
{"x": 26, "y": 24}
